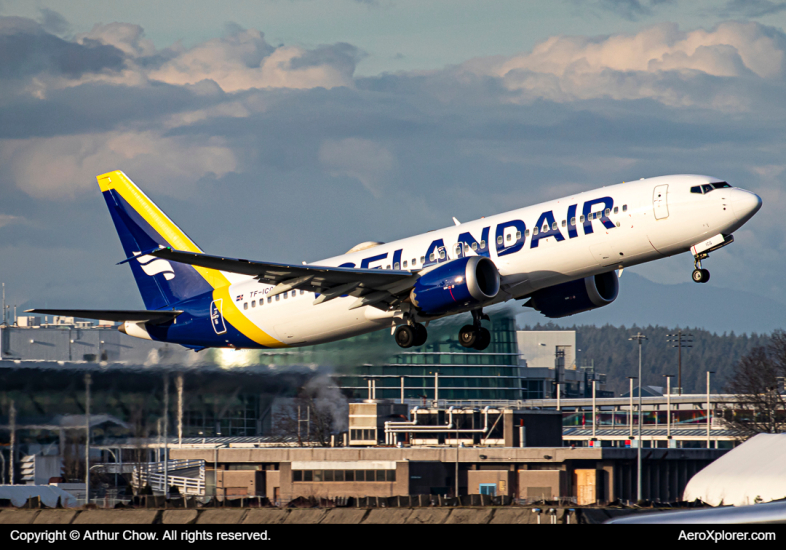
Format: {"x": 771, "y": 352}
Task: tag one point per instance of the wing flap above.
{"x": 315, "y": 278}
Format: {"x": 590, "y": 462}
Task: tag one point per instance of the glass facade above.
{"x": 462, "y": 373}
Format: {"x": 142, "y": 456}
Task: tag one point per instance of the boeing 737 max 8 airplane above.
{"x": 560, "y": 257}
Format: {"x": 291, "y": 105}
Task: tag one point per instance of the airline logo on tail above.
{"x": 153, "y": 266}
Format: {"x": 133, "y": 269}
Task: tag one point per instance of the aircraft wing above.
{"x": 377, "y": 287}
{"x": 150, "y": 316}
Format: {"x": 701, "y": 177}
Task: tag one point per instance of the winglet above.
{"x": 456, "y": 221}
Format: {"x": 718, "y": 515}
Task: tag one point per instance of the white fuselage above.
{"x": 641, "y": 226}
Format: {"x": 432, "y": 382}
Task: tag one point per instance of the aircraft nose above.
{"x": 745, "y": 204}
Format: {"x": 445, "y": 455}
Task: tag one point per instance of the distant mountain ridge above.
{"x": 609, "y": 349}
{"x": 642, "y": 302}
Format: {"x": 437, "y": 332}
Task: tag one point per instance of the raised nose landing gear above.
{"x": 701, "y": 251}
{"x": 411, "y": 335}
{"x": 475, "y": 336}
{"x": 700, "y": 275}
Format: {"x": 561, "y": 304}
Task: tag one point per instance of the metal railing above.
{"x": 152, "y": 474}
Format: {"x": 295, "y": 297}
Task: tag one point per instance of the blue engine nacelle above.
{"x": 456, "y": 285}
{"x": 576, "y": 296}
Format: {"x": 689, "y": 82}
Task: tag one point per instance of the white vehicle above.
{"x": 559, "y": 257}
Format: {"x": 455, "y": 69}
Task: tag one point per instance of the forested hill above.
{"x": 618, "y": 357}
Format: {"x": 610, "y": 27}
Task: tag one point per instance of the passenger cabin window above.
{"x": 431, "y": 256}
{"x": 526, "y": 233}
{"x": 475, "y": 247}
{"x": 499, "y": 239}
{"x": 253, "y": 303}
{"x": 608, "y": 211}
{"x": 269, "y": 299}
{"x": 554, "y": 226}
{"x": 245, "y": 305}
{"x": 286, "y": 295}
{"x": 442, "y": 254}
{"x": 405, "y": 263}
{"x": 581, "y": 218}
{"x": 564, "y": 223}
{"x": 573, "y": 221}
{"x": 509, "y": 236}
{"x": 616, "y": 209}
{"x": 423, "y": 259}
{"x": 278, "y": 296}
{"x": 396, "y": 265}
{"x": 414, "y": 262}
{"x": 624, "y": 207}
{"x": 518, "y": 235}
{"x": 482, "y": 244}
{"x": 294, "y": 293}
{"x": 302, "y": 292}
{"x": 534, "y": 230}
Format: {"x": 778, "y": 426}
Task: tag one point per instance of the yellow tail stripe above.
{"x": 178, "y": 240}
{"x": 159, "y": 221}
{"x": 241, "y": 322}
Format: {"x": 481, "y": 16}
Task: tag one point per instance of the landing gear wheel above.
{"x": 700, "y": 275}
{"x": 468, "y": 335}
{"x": 421, "y": 335}
{"x": 483, "y": 339}
{"x": 405, "y": 336}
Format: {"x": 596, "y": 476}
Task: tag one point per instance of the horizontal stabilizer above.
{"x": 151, "y": 316}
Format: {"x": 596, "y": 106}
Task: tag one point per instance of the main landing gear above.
{"x": 411, "y": 335}
{"x": 475, "y": 336}
{"x": 700, "y": 275}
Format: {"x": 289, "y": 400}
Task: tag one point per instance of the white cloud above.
{"x": 125, "y": 37}
{"x": 566, "y": 68}
{"x": 65, "y": 166}
{"x": 244, "y": 60}
{"x": 6, "y": 219}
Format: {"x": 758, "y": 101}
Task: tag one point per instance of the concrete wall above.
{"x": 539, "y": 483}
{"x": 500, "y": 478}
{"x": 232, "y": 483}
{"x": 272, "y": 482}
{"x": 290, "y": 490}
{"x": 268, "y": 516}
{"x": 429, "y": 470}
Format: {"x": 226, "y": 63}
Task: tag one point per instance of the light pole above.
{"x": 709, "y": 412}
{"x": 88, "y": 381}
{"x": 594, "y": 418}
{"x": 681, "y": 341}
{"x": 639, "y": 337}
{"x": 668, "y": 404}
{"x": 457, "y": 456}
{"x": 630, "y": 409}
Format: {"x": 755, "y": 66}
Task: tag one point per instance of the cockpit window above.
{"x": 707, "y": 187}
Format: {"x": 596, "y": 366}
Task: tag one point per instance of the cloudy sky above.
{"x": 290, "y": 130}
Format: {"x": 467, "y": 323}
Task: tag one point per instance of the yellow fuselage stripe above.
{"x": 178, "y": 240}
{"x": 243, "y": 323}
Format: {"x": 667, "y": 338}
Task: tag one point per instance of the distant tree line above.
{"x": 617, "y": 357}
